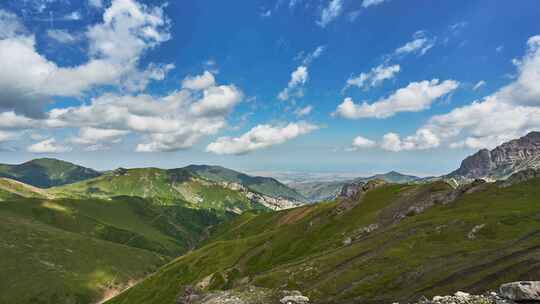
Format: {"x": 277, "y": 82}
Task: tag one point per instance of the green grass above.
{"x": 163, "y": 187}
{"x": 424, "y": 254}
{"x": 76, "y": 251}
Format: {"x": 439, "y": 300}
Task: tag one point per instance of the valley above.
{"x": 143, "y": 235}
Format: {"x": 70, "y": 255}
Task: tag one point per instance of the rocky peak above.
{"x": 504, "y": 160}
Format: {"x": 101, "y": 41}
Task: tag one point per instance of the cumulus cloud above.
{"x": 260, "y": 137}
{"x": 512, "y": 111}
{"x": 415, "y": 97}
{"x": 331, "y": 12}
{"x": 423, "y": 139}
{"x": 48, "y": 146}
{"x": 374, "y": 77}
{"x": 299, "y": 77}
{"x": 360, "y": 142}
{"x": 420, "y": 44}
{"x": 368, "y": 3}
{"x": 167, "y": 123}
{"x": 200, "y": 82}
{"x": 96, "y": 139}
{"x": 115, "y": 47}
{"x": 301, "y": 112}
{"x": 62, "y": 36}
{"x": 478, "y": 85}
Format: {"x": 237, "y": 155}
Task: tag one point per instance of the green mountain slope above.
{"x": 264, "y": 185}
{"x": 46, "y": 172}
{"x": 165, "y": 187}
{"x": 10, "y": 189}
{"x": 80, "y": 251}
{"x": 392, "y": 243}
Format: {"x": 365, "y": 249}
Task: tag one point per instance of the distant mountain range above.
{"x": 215, "y": 186}
{"x": 320, "y": 191}
{"x": 47, "y": 172}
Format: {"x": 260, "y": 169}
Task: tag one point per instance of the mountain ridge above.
{"x": 47, "y": 172}
{"x": 502, "y": 161}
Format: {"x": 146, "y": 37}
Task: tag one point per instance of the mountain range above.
{"x": 328, "y": 190}
{"x": 385, "y": 243}
{"x": 70, "y": 234}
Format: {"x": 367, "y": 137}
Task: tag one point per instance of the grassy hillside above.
{"x": 264, "y": 185}
{"x": 80, "y": 251}
{"x": 10, "y": 189}
{"x": 394, "y": 243}
{"x": 47, "y": 172}
{"x": 165, "y": 187}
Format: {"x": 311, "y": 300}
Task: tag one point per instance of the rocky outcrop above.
{"x": 293, "y": 297}
{"x": 521, "y": 176}
{"x": 521, "y": 291}
{"x": 351, "y": 194}
{"x": 274, "y": 203}
{"x": 503, "y": 161}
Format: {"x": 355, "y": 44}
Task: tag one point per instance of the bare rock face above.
{"x": 521, "y": 291}
{"x": 503, "y": 161}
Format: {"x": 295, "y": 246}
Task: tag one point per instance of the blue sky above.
{"x": 290, "y": 85}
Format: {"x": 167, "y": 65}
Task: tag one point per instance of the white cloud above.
{"x": 456, "y": 28}
{"x": 479, "y": 84}
{"x": 261, "y": 136}
{"x": 95, "y": 3}
{"x": 368, "y": 3}
{"x": 5, "y": 136}
{"x": 48, "y": 146}
{"x": 115, "y": 46}
{"x": 73, "y": 16}
{"x": 423, "y": 139}
{"x": 299, "y": 77}
{"x": 10, "y": 25}
{"x": 499, "y": 49}
{"x": 200, "y": 82}
{"x": 360, "y": 142}
{"x": 420, "y": 44}
{"x": 93, "y": 136}
{"x": 331, "y": 12}
{"x": 313, "y": 55}
{"x": 301, "y": 112}
{"x": 415, "y": 97}
{"x": 169, "y": 123}
{"x": 62, "y": 36}
{"x": 266, "y": 13}
{"x": 511, "y": 112}
{"x": 374, "y": 77}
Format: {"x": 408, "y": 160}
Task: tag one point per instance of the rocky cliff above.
{"x": 503, "y": 161}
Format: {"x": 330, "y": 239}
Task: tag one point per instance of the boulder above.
{"x": 294, "y": 299}
{"x": 521, "y": 291}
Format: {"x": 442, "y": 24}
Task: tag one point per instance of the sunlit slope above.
{"x": 164, "y": 187}
{"x": 394, "y": 243}
{"x": 265, "y": 185}
{"x": 78, "y": 251}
